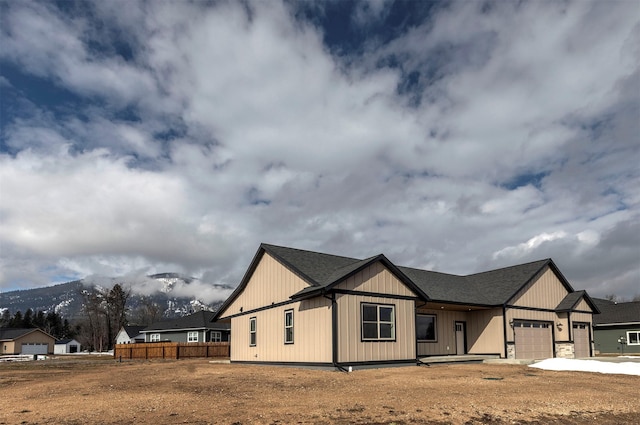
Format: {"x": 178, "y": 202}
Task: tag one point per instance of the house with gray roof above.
{"x": 616, "y": 330}
{"x": 130, "y": 335}
{"x": 25, "y": 341}
{"x": 302, "y": 307}
{"x": 196, "y": 327}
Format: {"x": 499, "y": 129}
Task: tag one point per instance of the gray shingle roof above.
{"x": 444, "y": 287}
{"x": 13, "y": 333}
{"x": 316, "y": 268}
{"x": 570, "y": 301}
{"x": 133, "y": 331}
{"x": 490, "y": 288}
{"x": 611, "y": 313}
{"x": 198, "y": 320}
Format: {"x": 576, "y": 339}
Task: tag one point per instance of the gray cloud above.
{"x": 234, "y": 124}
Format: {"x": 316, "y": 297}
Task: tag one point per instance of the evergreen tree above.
{"x": 116, "y": 311}
{"x": 5, "y": 320}
{"x": 27, "y": 320}
{"x": 16, "y": 321}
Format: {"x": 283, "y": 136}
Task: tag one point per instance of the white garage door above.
{"x": 533, "y": 340}
{"x": 581, "y": 343}
{"x": 35, "y": 348}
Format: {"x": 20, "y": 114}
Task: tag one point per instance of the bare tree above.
{"x": 95, "y": 328}
{"x": 148, "y": 312}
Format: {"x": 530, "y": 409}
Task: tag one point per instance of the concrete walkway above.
{"x": 488, "y": 359}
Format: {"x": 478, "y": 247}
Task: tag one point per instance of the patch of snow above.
{"x": 625, "y": 368}
{"x": 629, "y": 357}
{"x": 62, "y": 305}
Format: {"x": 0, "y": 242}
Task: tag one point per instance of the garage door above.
{"x": 35, "y": 348}
{"x": 533, "y": 340}
{"x": 581, "y": 342}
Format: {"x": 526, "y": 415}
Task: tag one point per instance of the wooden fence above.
{"x": 171, "y": 350}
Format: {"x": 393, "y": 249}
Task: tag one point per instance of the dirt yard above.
{"x": 93, "y": 391}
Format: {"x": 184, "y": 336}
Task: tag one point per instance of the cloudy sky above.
{"x": 145, "y": 137}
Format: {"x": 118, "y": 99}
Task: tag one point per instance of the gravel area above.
{"x": 104, "y": 391}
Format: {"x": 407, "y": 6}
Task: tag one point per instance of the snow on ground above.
{"x": 625, "y": 368}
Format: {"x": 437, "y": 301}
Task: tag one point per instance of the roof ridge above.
{"x": 266, "y": 245}
{"x": 430, "y": 271}
{"x": 545, "y": 260}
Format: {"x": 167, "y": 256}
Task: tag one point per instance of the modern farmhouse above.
{"x": 302, "y": 307}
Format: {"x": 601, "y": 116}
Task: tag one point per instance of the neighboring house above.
{"x": 196, "y": 327}
{"x": 302, "y": 307}
{"x": 616, "y": 330}
{"x": 66, "y": 346}
{"x": 130, "y": 335}
{"x": 25, "y": 341}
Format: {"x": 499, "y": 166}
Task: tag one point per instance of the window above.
{"x": 192, "y": 336}
{"x": 154, "y": 338}
{"x": 378, "y": 322}
{"x": 633, "y": 338}
{"x": 288, "y": 327}
{"x": 426, "y": 327}
{"x": 216, "y": 336}
{"x": 253, "y": 331}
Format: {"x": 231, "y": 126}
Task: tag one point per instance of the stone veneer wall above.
{"x": 511, "y": 351}
{"x": 564, "y": 350}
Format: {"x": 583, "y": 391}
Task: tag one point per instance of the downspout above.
{"x": 504, "y": 330}
{"x": 334, "y": 332}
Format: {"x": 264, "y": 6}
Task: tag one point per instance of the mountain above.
{"x": 175, "y": 294}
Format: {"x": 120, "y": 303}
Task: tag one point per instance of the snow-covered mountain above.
{"x": 175, "y": 295}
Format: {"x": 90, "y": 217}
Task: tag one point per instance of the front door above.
{"x": 460, "y": 338}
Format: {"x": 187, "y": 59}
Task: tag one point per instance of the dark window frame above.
{"x": 378, "y": 322}
{"x": 215, "y": 336}
{"x": 435, "y": 327}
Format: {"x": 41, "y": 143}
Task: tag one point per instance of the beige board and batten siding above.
{"x": 351, "y": 348}
{"x": 311, "y": 334}
{"x": 545, "y": 292}
{"x": 483, "y": 332}
{"x": 583, "y": 306}
{"x": 270, "y": 283}
{"x": 375, "y": 278}
{"x": 445, "y": 343}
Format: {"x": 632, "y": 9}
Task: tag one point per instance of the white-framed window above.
{"x": 154, "y": 337}
{"x": 216, "y": 336}
{"x": 426, "y": 328}
{"x": 378, "y": 322}
{"x": 253, "y": 331}
{"x": 633, "y": 337}
{"x": 288, "y": 327}
{"x": 192, "y": 336}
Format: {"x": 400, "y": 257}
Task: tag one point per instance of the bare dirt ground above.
{"x": 103, "y": 391}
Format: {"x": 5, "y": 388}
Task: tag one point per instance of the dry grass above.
{"x": 101, "y": 390}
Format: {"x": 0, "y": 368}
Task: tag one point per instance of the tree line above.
{"x": 104, "y": 313}
{"x": 50, "y": 322}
